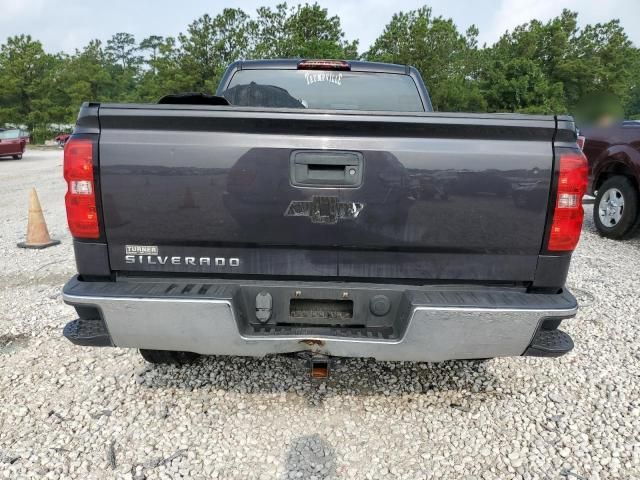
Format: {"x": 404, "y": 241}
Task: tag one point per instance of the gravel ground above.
{"x": 70, "y": 412}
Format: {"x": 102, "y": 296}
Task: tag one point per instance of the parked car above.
{"x": 12, "y": 144}
{"x": 614, "y": 177}
{"x": 62, "y": 138}
{"x": 26, "y": 136}
{"x": 310, "y": 213}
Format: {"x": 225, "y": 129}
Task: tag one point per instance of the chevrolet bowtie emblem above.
{"x": 324, "y": 209}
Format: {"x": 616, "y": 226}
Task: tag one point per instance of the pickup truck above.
{"x": 322, "y": 208}
{"x": 613, "y": 152}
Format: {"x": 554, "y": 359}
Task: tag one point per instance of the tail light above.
{"x": 580, "y": 142}
{"x": 80, "y": 200}
{"x": 323, "y": 65}
{"x": 568, "y": 213}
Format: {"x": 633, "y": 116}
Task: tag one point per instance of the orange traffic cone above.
{"x": 37, "y": 232}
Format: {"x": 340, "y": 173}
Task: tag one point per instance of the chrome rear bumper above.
{"x": 433, "y": 323}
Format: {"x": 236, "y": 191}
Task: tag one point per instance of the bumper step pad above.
{"x": 88, "y": 333}
{"x": 549, "y": 343}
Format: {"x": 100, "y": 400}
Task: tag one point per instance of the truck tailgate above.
{"x": 224, "y": 190}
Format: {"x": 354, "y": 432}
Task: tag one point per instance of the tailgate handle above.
{"x": 322, "y": 168}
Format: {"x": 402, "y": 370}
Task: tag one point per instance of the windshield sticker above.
{"x": 331, "y": 77}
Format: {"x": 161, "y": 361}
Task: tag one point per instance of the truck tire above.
{"x": 615, "y": 211}
{"x": 168, "y": 357}
{"x": 17, "y": 157}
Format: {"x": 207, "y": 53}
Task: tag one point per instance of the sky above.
{"x": 64, "y": 25}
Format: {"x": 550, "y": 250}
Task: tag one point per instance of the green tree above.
{"x": 446, "y": 59}
{"x": 269, "y": 29}
{"x": 27, "y": 74}
{"x": 209, "y": 45}
{"x": 632, "y": 106}
{"x": 555, "y": 67}
{"x": 520, "y": 85}
{"x": 123, "y": 63}
{"x": 121, "y": 50}
{"x": 304, "y": 31}
{"x": 86, "y": 77}
{"x": 152, "y": 45}
{"x": 608, "y": 69}
{"x": 163, "y": 74}
{"x": 538, "y": 67}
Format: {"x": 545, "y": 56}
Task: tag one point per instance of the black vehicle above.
{"x": 327, "y": 209}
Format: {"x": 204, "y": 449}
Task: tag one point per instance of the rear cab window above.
{"x": 324, "y": 89}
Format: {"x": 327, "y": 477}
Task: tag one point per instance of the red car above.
{"x": 62, "y": 138}
{"x": 12, "y": 144}
{"x": 614, "y": 177}
{"x": 26, "y": 135}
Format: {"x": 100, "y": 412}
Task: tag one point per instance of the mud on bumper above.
{"x": 417, "y": 323}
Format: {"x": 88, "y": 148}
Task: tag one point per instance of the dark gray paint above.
{"x": 92, "y": 258}
{"x": 454, "y": 196}
{"x": 550, "y": 269}
{"x": 435, "y": 266}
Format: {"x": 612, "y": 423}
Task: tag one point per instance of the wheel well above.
{"x": 611, "y": 170}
